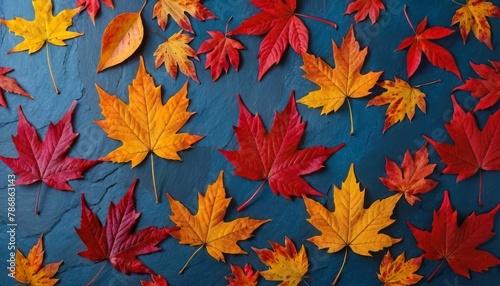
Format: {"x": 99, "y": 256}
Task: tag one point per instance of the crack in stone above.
{"x": 107, "y": 175}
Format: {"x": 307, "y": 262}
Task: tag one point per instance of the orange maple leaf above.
{"x": 145, "y": 125}
{"x": 177, "y": 9}
{"x": 207, "y": 227}
{"x": 342, "y": 82}
{"x": 398, "y": 272}
{"x": 243, "y": 277}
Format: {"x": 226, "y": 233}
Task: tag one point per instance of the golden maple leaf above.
{"x": 145, "y": 125}
{"x": 44, "y": 28}
{"x": 285, "y": 264}
{"x": 175, "y": 53}
{"x": 207, "y": 227}
{"x": 342, "y": 82}
{"x": 472, "y": 16}
{"x": 29, "y": 269}
{"x": 398, "y": 272}
{"x": 177, "y": 9}
{"x": 350, "y": 225}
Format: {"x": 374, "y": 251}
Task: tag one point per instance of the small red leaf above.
{"x": 9, "y": 85}
{"x": 365, "y": 8}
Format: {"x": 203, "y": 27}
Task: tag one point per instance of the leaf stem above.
{"x": 435, "y": 271}
{"x": 480, "y": 187}
{"x": 305, "y": 282}
{"x": 427, "y": 83}
{"x": 457, "y": 3}
{"x": 318, "y": 19}
{"x": 97, "y": 274}
{"x": 153, "y": 177}
{"x": 37, "y": 198}
{"x": 350, "y": 116}
{"x": 50, "y": 70}
{"x": 191, "y": 257}
{"x": 341, "y": 268}
{"x": 408, "y": 19}
{"x": 227, "y": 24}
{"x": 143, "y": 5}
{"x": 240, "y": 208}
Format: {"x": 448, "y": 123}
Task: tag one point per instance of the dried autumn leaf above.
{"x": 399, "y": 272}
{"x": 411, "y": 179}
{"x": 145, "y": 125}
{"x": 45, "y": 28}
{"x": 207, "y": 227}
{"x": 29, "y": 269}
{"x": 243, "y": 277}
{"x": 472, "y": 16}
{"x": 365, "y": 8}
{"x": 121, "y": 38}
{"x": 92, "y": 6}
{"x": 175, "y": 54}
{"x": 458, "y": 245}
{"x": 402, "y": 99}
{"x": 46, "y": 160}
{"x": 342, "y": 82}
{"x": 474, "y": 150}
{"x": 177, "y": 9}
{"x": 273, "y": 156}
{"x": 115, "y": 241}
{"x": 9, "y": 85}
{"x": 350, "y": 225}
{"x": 487, "y": 88}
{"x": 284, "y": 263}
{"x": 158, "y": 280}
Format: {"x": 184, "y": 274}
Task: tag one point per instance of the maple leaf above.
{"x": 437, "y": 55}
{"x": 115, "y": 241}
{"x": 175, "y": 54}
{"x": 399, "y": 272}
{"x": 458, "y": 245}
{"x": 243, "y": 277}
{"x": 10, "y": 85}
{"x": 273, "y": 156}
{"x": 145, "y": 125}
{"x": 46, "y": 160}
{"x": 280, "y": 22}
{"x": 342, "y": 82}
{"x": 412, "y": 180}
{"x": 472, "y": 16}
{"x": 365, "y": 8}
{"x": 177, "y": 9}
{"x": 474, "y": 149}
{"x": 402, "y": 99}
{"x": 350, "y": 225}
{"x": 207, "y": 227}
{"x": 218, "y": 49}
{"x": 284, "y": 263}
{"x": 92, "y": 6}
{"x": 45, "y": 28}
{"x": 158, "y": 280}
{"x": 29, "y": 269}
{"x": 487, "y": 89}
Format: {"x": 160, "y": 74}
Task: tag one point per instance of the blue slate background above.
{"x": 216, "y": 112}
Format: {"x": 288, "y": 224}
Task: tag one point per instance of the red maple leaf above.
{"x": 220, "y": 48}
{"x": 115, "y": 241}
{"x": 47, "y": 160}
{"x": 487, "y": 89}
{"x": 365, "y": 8}
{"x": 92, "y": 6}
{"x": 458, "y": 245}
{"x": 10, "y": 85}
{"x": 280, "y": 22}
{"x": 437, "y": 55}
{"x": 273, "y": 156}
{"x": 158, "y": 280}
{"x": 474, "y": 149}
{"x": 243, "y": 276}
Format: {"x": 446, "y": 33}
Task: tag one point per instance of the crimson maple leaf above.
{"x": 458, "y": 245}
{"x": 10, "y": 85}
{"x": 46, "y": 160}
{"x": 93, "y": 6}
{"x": 115, "y": 241}
{"x": 365, "y": 8}
{"x": 437, "y": 55}
{"x": 280, "y": 22}
{"x": 474, "y": 149}
{"x": 273, "y": 156}
{"x": 487, "y": 89}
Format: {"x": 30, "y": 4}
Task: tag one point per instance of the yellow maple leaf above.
{"x": 29, "y": 269}
{"x": 177, "y": 9}
{"x": 342, "y": 82}
{"x": 350, "y": 225}
{"x": 207, "y": 227}
{"x": 175, "y": 53}
{"x": 472, "y": 16}
{"x": 285, "y": 264}
{"x": 398, "y": 272}
{"x": 44, "y": 28}
{"x": 145, "y": 125}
